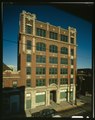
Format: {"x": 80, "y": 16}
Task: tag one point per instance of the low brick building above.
{"x": 13, "y": 93}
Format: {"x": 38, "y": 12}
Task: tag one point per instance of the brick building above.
{"x": 47, "y": 61}
{"x": 13, "y": 93}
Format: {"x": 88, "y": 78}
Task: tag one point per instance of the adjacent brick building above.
{"x": 46, "y": 61}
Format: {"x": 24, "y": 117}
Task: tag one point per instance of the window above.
{"x": 53, "y": 35}
{"x": 40, "y": 59}
{"x": 63, "y": 81}
{"x": 72, "y": 61}
{"x": 72, "y": 71}
{"x": 28, "y": 44}
{"x": 40, "y": 47}
{"x": 52, "y": 81}
{"x": 40, "y": 82}
{"x": 28, "y": 57}
{"x": 41, "y": 32}
{"x": 72, "y": 40}
{"x": 53, "y": 48}
{"x": 53, "y": 60}
{"x": 28, "y": 29}
{"x": 64, "y": 61}
{"x": 52, "y": 70}
{"x": 28, "y": 70}
{"x": 72, "y": 51}
{"x": 14, "y": 83}
{"x": 71, "y": 81}
{"x": 28, "y": 83}
{"x": 64, "y": 71}
{"x": 64, "y": 50}
{"x": 40, "y": 70}
{"x": 64, "y": 38}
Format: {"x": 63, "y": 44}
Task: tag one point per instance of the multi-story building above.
{"x": 47, "y": 61}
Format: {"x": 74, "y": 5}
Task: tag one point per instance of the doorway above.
{"x": 53, "y": 95}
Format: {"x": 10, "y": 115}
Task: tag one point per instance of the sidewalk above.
{"x": 57, "y": 107}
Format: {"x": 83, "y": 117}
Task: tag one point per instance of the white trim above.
{"x": 72, "y": 57}
{"x": 40, "y": 93}
{"x": 63, "y": 90}
{"x": 28, "y": 76}
{"x": 28, "y": 51}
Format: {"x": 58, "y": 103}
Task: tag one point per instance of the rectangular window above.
{"x": 63, "y": 81}
{"x": 64, "y": 38}
{"x": 72, "y": 51}
{"x": 28, "y": 70}
{"x": 72, "y": 71}
{"x": 28, "y": 29}
{"x": 28, "y": 44}
{"x": 63, "y": 95}
{"x": 64, "y": 61}
{"x": 14, "y": 83}
{"x": 72, "y": 40}
{"x": 40, "y": 82}
{"x": 53, "y": 60}
{"x": 28, "y": 57}
{"x": 40, "y": 32}
{"x": 40, "y": 71}
{"x": 40, "y": 98}
{"x": 28, "y": 104}
{"x": 52, "y": 70}
{"x": 72, "y": 62}
{"x": 71, "y": 81}
{"x": 28, "y": 83}
{"x": 53, "y": 35}
{"x": 64, "y": 71}
{"x": 40, "y": 59}
{"x": 52, "y": 81}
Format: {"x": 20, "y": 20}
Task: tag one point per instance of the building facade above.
{"x": 84, "y": 81}
{"x": 47, "y": 61}
{"x": 12, "y": 93}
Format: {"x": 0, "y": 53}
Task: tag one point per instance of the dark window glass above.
{"x": 64, "y": 71}
{"x": 28, "y": 57}
{"x": 29, "y": 44}
{"x": 53, "y": 48}
{"x": 40, "y": 82}
{"x": 63, "y": 81}
{"x": 64, "y": 61}
{"x": 53, "y": 71}
{"x": 28, "y": 29}
{"x": 41, "y": 32}
{"x": 40, "y": 70}
{"x": 64, "y": 38}
{"x": 64, "y": 50}
{"x": 40, "y": 59}
{"x": 53, "y": 35}
{"x": 28, "y": 83}
{"x": 72, "y": 61}
{"x": 28, "y": 70}
{"x": 52, "y": 80}
{"x": 72, "y": 51}
{"x": 71, "y": 81}
{"x": 40, "y": 47}
{"x": 72, "y": 40}
{"x": 53, "y": 60}
{"x": 72, "y": 71}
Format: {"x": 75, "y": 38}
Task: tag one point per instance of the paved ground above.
{"x": 57, "y": 107}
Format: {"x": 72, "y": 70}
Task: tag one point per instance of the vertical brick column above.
{"x": 47, "y": 63}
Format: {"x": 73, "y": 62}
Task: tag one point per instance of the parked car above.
{"x": 45, "y": 113}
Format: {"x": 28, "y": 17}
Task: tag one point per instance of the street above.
{"x": 84, "y": 110}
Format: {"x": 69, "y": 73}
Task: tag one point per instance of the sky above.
{"x": 54, "y": 16}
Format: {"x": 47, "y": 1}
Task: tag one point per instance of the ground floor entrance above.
{"x": 53, "y": 95}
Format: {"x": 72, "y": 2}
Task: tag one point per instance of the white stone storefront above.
{"x": 42, "y": 96}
